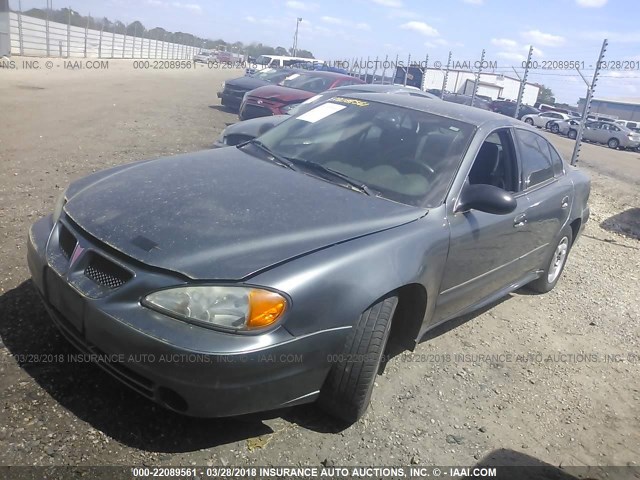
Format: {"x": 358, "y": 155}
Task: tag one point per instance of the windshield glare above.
{"x": 406, "y": 155}
{"x": 307, "y": 82}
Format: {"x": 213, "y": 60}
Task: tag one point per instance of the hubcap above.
{"x": 558, "y": 259}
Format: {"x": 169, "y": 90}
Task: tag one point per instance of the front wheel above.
{"x": 613, "y": 143}
{"x": 346, "y": 393}
{"x": 572, "y": 134}
{"x": 555, "y": 264}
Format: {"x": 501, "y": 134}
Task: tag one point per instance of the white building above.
{"x": 492, "y": 85}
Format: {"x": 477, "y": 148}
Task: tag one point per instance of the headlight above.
{"x": 234, "y": 308}
{"x": 289, "y": 108}
{"x": 57, "y": 208}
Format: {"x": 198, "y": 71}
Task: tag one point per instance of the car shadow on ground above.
{"x": 513, "y": 465}
{"x": 93, "y": 396}
{"x": 627, "y": 223}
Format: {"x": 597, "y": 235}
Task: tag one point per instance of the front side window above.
{"x": 537, "y": 166}
{"x": 495, "y": 163}
{"x": 404, "y": 155}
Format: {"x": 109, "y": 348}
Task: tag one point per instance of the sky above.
{"x": 559, "y": 30}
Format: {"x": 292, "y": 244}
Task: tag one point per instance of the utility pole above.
{"x": 587, "y": 102}
{"x": 295, "y": 37}
{"x": 424, "y": 72}
{"x": 523, "y": 81}
{"x": 406, "y": 70}
{"x": 446, "y": 76}
{"x": 477, "y": 82}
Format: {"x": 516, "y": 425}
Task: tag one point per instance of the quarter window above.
{"x": 537, "y": 166}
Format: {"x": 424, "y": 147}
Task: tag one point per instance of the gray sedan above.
{"x": 614, "y": 136}
{"x": 247, "y": 129}
{"x": 283, "y": 271}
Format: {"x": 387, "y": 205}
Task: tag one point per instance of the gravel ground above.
{"x": 549, "y": 377}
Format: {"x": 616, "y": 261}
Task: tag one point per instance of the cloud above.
{"x": 193, "y": 7}
{"x": 345, "y": 23}
{"x": 541, "y": 38}
{"x": 421, "y": 27}
{"x": 504, "y": 42}
{"x": 298, "y": 5}
{"x": 621, "y": 37}
{"x": 389, "y": 3}
{"x": 516, "y": 57}
{"x": 591, "y": 3}
{"x": 333, "y": 20}
{"x": 474, "y": 2}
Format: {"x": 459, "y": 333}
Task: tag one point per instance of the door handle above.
{"x": 565, "y": 202}
{"x": 520, "y": 221}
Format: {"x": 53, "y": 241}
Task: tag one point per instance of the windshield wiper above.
{"x": 278, "y": 159}
{"x": 349, "y": 181}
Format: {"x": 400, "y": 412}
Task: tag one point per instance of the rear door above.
{"x": 549, "y": 193}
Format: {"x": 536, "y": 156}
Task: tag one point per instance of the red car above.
{"x": 295, "y": 89}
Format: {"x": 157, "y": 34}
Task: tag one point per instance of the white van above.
{"x": 629, "y": 123}
{"x": 277, "y": 61}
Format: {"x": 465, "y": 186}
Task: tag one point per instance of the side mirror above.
{"x": 486, "y": 198}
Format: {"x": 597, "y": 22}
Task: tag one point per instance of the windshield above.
{"x": 404, "y": 155}
{"x": 271, "y": 75}
{"x": 263, "y": 60}
{"x": 308, "y": 82}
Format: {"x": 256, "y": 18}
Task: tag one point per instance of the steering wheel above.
{"x": 413, "y": 166}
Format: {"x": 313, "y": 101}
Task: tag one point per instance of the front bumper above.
{"x": 186, "y": 368}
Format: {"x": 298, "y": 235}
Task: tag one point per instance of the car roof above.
{"x": 464, "y": 113}
{"x": 367, "y": 87}
{"x": 321, "y": 73}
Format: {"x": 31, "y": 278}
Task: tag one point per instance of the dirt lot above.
{"x": 574, "y": 401}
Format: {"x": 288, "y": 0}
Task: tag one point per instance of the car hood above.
{"x": 282, "y": 94}
{"x": 246, "y": 83}
{"x": 252, "y": 127}
{"x": 223, "y": 214}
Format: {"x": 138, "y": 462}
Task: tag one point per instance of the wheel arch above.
{"x": 408, "y": 318}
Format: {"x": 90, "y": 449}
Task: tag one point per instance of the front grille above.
{"x": 253, "y": 111}
{"x": 106, "y": 273}
{"x": 239, "y": 94}
{"x": 67, "y": 241}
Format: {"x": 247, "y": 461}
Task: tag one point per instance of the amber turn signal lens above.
{"x": 264, "y": 308}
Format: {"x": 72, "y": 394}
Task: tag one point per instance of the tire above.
{"x": 553, "y": 270}
{"x": 572, "y": 134}
{"x": 547, "y": 125}
{"x": 529, "y": 121}
{"x": 346, "y": 393}
{"x": 554, "y": 128}
{"x": 613, "y": 143}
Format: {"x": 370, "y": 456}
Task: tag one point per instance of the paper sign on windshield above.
{"x": 320, "y": 112}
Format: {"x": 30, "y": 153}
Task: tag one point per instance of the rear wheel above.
{"x": 529, "y": 121}
{"x": 572, "y": 134}
{"x": 347, "y": 390}
{"x": 554, "y": 128}
{"x": 613, "y": 143}
{"x": 548, "y": 124}
{"x": 555, "y": 263}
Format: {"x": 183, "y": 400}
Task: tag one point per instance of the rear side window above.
{"x": 556, "y": 160}
{"x": 537, "y": 166}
